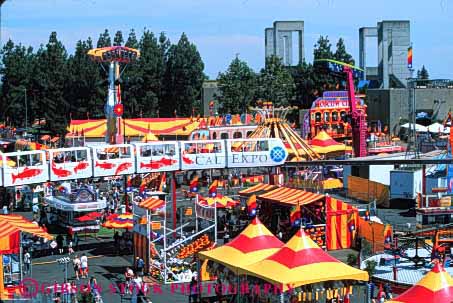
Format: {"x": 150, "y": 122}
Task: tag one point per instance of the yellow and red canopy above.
{"x": 152, "y": 203}
{"x": 258, "y": 188}
{"x": 301, "y": 262}
{"x": 10, "y": 224}
{"x": 120, "y": 221}
{"x": 435, "y": 287}
{"x": 255, "y": 243}
{"x": 324, "y": 144}
{"x": 135, "y": 127}
{"x": 291, "y": 196}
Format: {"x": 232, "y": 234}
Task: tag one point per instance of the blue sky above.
{"x": 221, "y": 29}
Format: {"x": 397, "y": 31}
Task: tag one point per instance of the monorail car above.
{"x": 28, "y": 167}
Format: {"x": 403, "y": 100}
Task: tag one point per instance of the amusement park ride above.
{"x": 114, "y": 109}
{"x": 357, "y": 117}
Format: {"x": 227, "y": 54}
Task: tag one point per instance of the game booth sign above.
{"x": 11, "y": 229}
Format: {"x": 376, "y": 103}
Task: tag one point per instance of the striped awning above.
{"x": 10, "y": 224}
{"x": 253, "y": 244}
{"x": 54, "y": 139}
{"x": 45, "y": 138}
{"x": 301, "y": 262}
{"x": 260, "y": 187}
{"x": 152, "y": 203}
{"x": 436, "y": 286}
{"x": 120, "y": 221}
{"x": 291, "y": 196}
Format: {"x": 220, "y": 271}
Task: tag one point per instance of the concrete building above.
{"x": 391, "y": 106}
{"x": 209, "y": 91}
{"x": 393, "y": 41}
{"x": 280, "y": 41}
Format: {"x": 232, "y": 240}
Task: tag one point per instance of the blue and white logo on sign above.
{"x": 278, "y": 154}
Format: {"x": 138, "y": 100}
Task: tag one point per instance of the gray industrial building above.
{"x": 391, "y": 106}
{"x": 279, "y": 41}
{"x": 393, "y": 41}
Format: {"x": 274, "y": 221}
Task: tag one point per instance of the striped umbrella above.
{"x": 301, "y": 262}
{"x": 254, "y": 243}
{"x": 435, "y": 287}
{"x": 10, "y": 224}
{"x": 120, "y": 221}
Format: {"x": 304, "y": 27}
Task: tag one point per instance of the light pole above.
{"x": 26, "y": 109}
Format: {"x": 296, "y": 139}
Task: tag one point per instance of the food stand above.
{"x": 66, "y": 206}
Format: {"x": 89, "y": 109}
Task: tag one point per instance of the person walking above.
{"x": 84, "y": 266}
{"x": 27, "y": 262}
{"x": 76, "y": 265}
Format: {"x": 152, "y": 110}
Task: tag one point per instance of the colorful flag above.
{"x": 163, "y": 182}
{"x": 251, "y": 205}
{"x": 409, "y": 57}
{"x": 142, "y": 186}
{"x": 194, "y": 184}
{"x": 213, "y": 189}
{"x": 294, "y": 215}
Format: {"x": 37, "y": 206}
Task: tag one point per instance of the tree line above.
{"x": 52, "y": 85}
{"x": 300, "y": 85}
{"x": 165, "y": 81}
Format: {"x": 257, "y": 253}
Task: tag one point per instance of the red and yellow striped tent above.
{"x": 259, "y": 188}
{"x": 435, "y": 287}
{"x": 324, "y": 144}
{"x": 290, "y": 196}
{"x": 10, "y": 228}
{"x": 342, "y": 222}
{"x": 254, "y": 243}
{"x": 152, "y": 203}
{"x": 301, "y": 262}
{"x": 136, "y": 127}
{"x": 14, "y": 223}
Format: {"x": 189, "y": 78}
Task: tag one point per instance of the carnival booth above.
{"x": 148, "y": 216}
{"x": 68, "y": 207}
{"x": 11, "y": 229}
{"x": 435, "y": 287}
{"x": 299, "y": 264}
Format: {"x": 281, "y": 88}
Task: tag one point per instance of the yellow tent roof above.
{"x": 301, "y": 262}
{"x": 150, "y": 137}
{"x": 322, "y": 143}
{"x": 255, "y": 243}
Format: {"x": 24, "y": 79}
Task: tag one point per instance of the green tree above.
{"x": 183, "y": 78}
{"x": 132, "y": 41}
{"x": 341, "y": 54}
{"x": 322, "y": 49}
{"x": 50, "y": 75}
{"x": 237, "y": 87}
{"x": 423, "y": 74}
{"x": 118, "y": 39}
{"x": 104, "y": 39}
{"x": 16, "y": 71}
{"x": 275, "y": 83}
{"x": 306, "y": 87}
{"x": 85, "y": 91}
